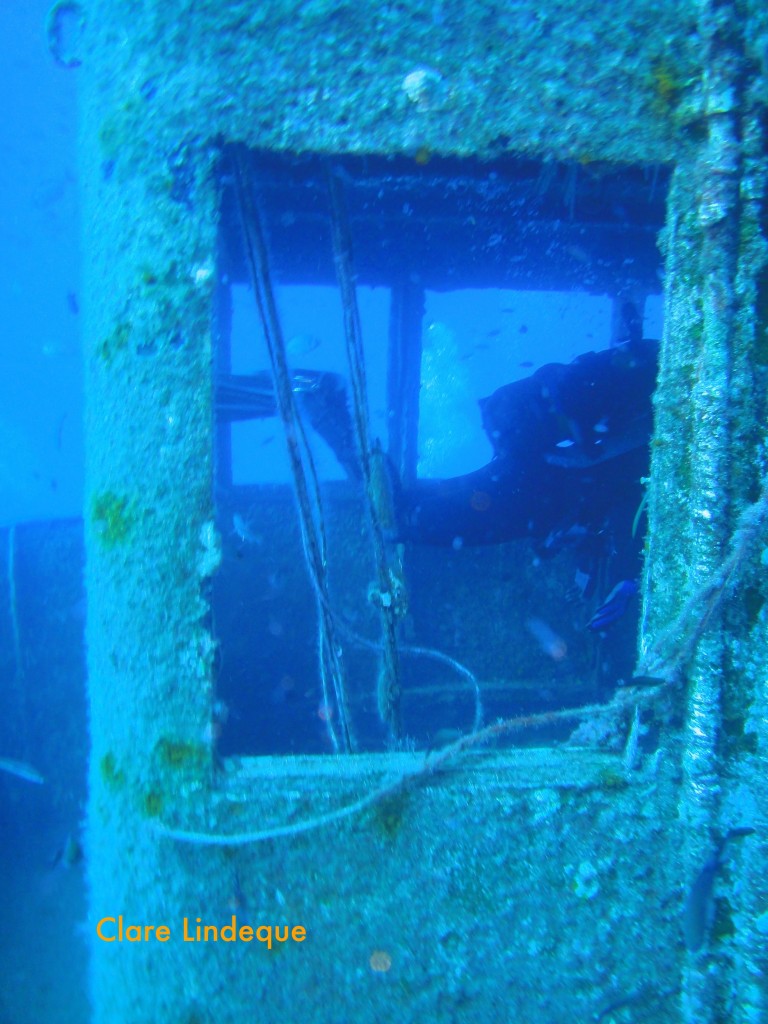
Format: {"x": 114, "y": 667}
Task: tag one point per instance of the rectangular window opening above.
{"x": 508, "y": 311}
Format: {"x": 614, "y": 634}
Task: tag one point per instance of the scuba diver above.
{"x": 570, "y": 448}
{"x": 567, "y": 443}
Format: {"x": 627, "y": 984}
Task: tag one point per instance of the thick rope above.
{"x": 623, "y": 701}
{"x": 388, "y": 687}
{"x": 313, "y": 539}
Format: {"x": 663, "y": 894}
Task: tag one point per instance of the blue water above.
{"x": 42, "y": 700}
{"x": 41, "y": 459}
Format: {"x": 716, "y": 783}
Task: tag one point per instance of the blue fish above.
{"x": 613, "y": 607}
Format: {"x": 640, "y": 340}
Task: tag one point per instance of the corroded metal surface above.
{"x": 553, "y": 79}
{"x": 551, "y": 875}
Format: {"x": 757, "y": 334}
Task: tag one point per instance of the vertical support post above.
{"x": 745, "y": 709}
{"x": 223, "y": 364}
{"x": 403, "y": 377}
{"x": 149, "y": 256}
{"x": 710, "y": 496}
{"x": 707, "y": 459}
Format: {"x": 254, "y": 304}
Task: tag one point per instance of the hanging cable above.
{"x": 390, "y": 592}
{"x": 311, "y": 521}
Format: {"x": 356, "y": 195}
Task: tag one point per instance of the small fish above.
{"x": 242, "y": 530}
{"x": 325, "y": 713}
{"x": 20, "y": 770}
{"x": 699, "y": 909}
{"x": 548, "y": 640}
{"x": 582, "y": 582}
{"x": 648, "y": 681}
{"x": 642, "y": 507}
{"x": 613, "y": 607}
{"x": 56, "y": 348}
{"x": 68, "y": 855}
{"x": 302, "y": 344}
{"x": 578, "y": 253}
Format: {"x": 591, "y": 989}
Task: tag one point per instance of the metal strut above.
{"x": 302, "y": 465}
{"x": 390, "y": 585}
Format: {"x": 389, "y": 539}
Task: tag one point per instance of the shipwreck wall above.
{"x": 551, "y": 882}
